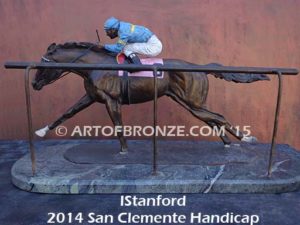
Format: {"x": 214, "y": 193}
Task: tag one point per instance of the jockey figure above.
{"x": 133, "y": 39}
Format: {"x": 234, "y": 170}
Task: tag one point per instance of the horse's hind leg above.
{"x": 114, "y": 111}
{"x": 206, "y": 115}
{"x": 209, "y": 119}
{"x": 231, "y": 129}
{"x": 83, "y": 103}
{"x": 219, "y": 120}
{"x": 212, "y": 119}
{"x": 222, "y": 134}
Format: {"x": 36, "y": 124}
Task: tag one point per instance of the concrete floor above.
{"x": 19, "y": 207}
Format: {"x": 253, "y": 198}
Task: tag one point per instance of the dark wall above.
{"x": 233, "y": 32}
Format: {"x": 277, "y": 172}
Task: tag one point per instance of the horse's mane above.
{"x": 83, "y": 45}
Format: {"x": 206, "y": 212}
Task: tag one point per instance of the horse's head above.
{"x": 47, "y": 76}
{"x": 70, "y": 52}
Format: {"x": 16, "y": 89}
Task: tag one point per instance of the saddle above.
{"x": 122, "y": 59}
{"x": 126, "y": 76}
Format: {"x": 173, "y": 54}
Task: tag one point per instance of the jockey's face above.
{"x": 112, "y": 33}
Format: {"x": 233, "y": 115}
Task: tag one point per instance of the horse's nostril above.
{"x": 35, "y": 85}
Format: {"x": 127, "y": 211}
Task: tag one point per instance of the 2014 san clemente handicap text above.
{"x": 132, "y": 218}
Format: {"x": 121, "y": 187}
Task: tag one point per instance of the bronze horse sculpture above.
{"x": 189, "y": 89}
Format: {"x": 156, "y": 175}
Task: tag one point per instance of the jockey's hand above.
{"x": 99, "y": 44}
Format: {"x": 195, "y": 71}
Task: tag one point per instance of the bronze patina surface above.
{"x": 189, "y": 89}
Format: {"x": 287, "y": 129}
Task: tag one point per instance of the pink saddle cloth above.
{"x": 146, "y": 61}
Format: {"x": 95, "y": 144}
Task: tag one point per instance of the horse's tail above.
{"x": 238, "y": 77}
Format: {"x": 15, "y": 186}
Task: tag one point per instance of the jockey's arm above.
{"x": 118, "y": 47}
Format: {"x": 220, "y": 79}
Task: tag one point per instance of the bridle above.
{"x": 45, "y": 59}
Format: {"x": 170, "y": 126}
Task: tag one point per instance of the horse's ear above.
{"x": 51, "y": 47}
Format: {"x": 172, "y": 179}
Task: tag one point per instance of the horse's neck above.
{"x": 96, "y": 57}
{"x": 90, "y": 57}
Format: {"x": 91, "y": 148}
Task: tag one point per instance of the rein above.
{"x": 83, "y": 54}
{"x": 44, "y": 59}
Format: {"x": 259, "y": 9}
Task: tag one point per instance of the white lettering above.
{"x": 76, "y": 131}
{"x": 87, "y": 131}
{"x": 228, "y": 218}
{"x": 128, "y": 200}
{"x": 130, "y": 218}
{"x": 103, "y": 219}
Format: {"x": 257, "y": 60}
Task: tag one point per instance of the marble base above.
{"x": 184, "y": 167}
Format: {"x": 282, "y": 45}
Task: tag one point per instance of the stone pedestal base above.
{"x": 184, "y": 167}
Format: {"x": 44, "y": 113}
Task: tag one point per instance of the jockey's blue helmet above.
{"x": 111, "y": 23}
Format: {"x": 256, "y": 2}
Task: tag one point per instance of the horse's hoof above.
{"x": 227, "y": 146}
{"x": 249, "y": 139}
{"x": 124, "y": 151}
{"x": 42, "y": 132}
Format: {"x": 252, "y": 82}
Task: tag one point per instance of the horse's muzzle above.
{"x": 36, "y": 86}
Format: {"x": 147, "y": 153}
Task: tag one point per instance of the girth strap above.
{"x": 126, "y": 88}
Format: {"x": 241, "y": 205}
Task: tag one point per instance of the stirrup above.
{"x": 134, "y": 59}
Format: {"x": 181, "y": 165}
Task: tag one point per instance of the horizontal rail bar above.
{"x": 158, "y": 67}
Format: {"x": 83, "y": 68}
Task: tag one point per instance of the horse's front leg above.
{"x": 83, "y": 103}
{"x": 114, "y": 111}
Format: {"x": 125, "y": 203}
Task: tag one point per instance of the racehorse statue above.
{"x": 189, "y": 89}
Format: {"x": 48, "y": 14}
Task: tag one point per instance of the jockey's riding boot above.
{"x": 134, "y": 59}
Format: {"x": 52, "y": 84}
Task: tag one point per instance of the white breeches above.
{"x": 150, "y": 48}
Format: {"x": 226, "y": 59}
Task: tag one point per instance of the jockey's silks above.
{"x": 129, "y": 33}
